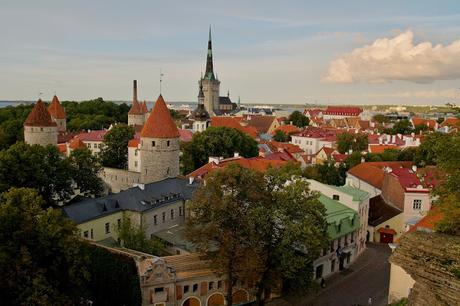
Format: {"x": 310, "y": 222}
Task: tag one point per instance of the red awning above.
{"x": 387, "y": 231}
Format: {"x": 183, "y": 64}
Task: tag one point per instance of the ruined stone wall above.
{"x": 433, "y": 261}
{"x": 119, "y": 179}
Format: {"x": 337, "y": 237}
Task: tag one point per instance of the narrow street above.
{"x": 367, "y": 277}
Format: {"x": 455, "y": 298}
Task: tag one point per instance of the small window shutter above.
{"x": 204, "y": 288}
{"x": 179, "y": 292}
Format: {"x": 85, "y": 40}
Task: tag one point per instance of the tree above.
{"x": 280, "y": 136}
{"x": 216, "y": 141}
{"x": 40, "y": 257}
{"x": 403, "y": 127}
{"x": 298, "y": 119}
{"x": 331, "y": 175}
{"x": 42, "y": 168}
{"x": 431, "y": 148}
{"x": 407, "y": 154}
{"x": 290, "y": 230}
{"x": 220, "y": 226}
{"x": 115, "y": 150}
{"x": 85, "y": 171}
{"x": 353, "y": 159}
{"x": 380, "y": 118}
{"x": 349, "y": 141}
{"x": 133, "y": 237}
{"x": 256, "y": 228}
{"x": 390, "y": 155}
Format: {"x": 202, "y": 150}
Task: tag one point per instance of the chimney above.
{"x": 414, "y": 168}
{"x": 190, "y": 180}
{"x": 213, "y": 159}
{"x": 134, "y": 90}
{"x": 362, "y": 159}
{"x": 236, "y": 154}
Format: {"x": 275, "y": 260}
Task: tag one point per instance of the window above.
{"x": 319, "y": 271}
{"x": 180, "y": 210}
{"x": 135, "y": 163}
{"x": 99, "y": 145}
{"x": 159, "y": 290}
{"x": 195, "y": 287}
{"x": 107, "y": 228}
{"x": 339, "y": 228}
{"x": 417, "y": 204}
{"x": 172, "y": 214}
{"x": 85, "y": 234}
{"x": 163, "y": 217}
{"x": 353, "y": 222}
{"x": 210, "y": 285}
{"x": 167, "y": 143}
{"x": 352, "y": 238}
{"x": 332, "y": 265}
{"x": 336, "y": 197}
{"x": 135, "y": 152}
{"x": 155, "y": 222}
{"x": 88, "y": 145}
{"x": 119, "y": 223}
{"x": 92, "y": 234}
{"x": 153, "y": 143}
{"x": 186, "y": 289}
{"x": 219, "y": 284}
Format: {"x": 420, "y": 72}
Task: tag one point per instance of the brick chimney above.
{"x": 134, "y": 90}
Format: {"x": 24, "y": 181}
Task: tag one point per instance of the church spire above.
{"x": 209, "y": 65}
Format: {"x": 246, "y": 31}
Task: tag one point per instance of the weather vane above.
{"x": 161, "y": 79}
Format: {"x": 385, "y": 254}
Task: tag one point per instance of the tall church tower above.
{"x": 200, "y": 116}
{"x": 210, "y": 82}
{"x": 159, "y": 148}
{"x": 39, "y": 127}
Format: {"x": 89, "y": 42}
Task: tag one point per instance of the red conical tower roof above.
{"x": 144, "y": 107}
{"x": 160, "y": 123}
{"x": 136, "y": 109}
{"x": 39, "y": 116}
{"x": 55, "y": 109}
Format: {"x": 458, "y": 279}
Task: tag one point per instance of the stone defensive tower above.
{"x": 159, "y": 147}
{"x": 39, "y": 127}
{"x": 57, "y": 112}
{"x": 136, "y": 115}
{"x": 210, "y": 83}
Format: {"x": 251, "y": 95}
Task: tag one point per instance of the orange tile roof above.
{"x": 62, "y": 147}
{"x": 136, "y": 108}
{"x": 281, "y": 146}
{"x": 327, "y": 150}
{"x": 76, "y": 143}
{"x": 450, "y": 122}
{"x": 160, "y": 123}
{"x": 380, "y": 148}
{"x": 55, "y": 109}
{"x": 373, "y": 173}
{"x": 428, "y": 122}
{"x": 133, "y": 143}
{"x": 232, "y": 122}
{"x": 428, "y": 222}
{"x": 144, "y": 107}
{"x": 39, "y": 116}
{"x": 261, "y": 123}
{"x": 254, "y": 163}
{"x": 287, "y": 129}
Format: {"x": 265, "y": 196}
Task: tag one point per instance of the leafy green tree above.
{"x": 42, "y": 168}
{"x": 11, "y": 124}
{"x": 290, "y": 232}
{"x": 349, "y": 141}
{"x": 420, "y": 128}
{"x": 280, "y": 136}
{"x": 40, "y": 257}
{"x": 298, "y": 119}
{"x": 380, "y": 118}
{"x": 353, "y": 159}
{"x": 331, "y": 175}
{"x": 216, "y": 141}
{"x": 402, "y": 127}
{"x": 85, "y": 172}
{"x": 407, "y": 154}
{"x": 133, "y": 237}
{"x": 390, "y": 155}
{"x": 115, "y": 150}
{"x": 431, "y": 148}
{"x": 220, "y": 225}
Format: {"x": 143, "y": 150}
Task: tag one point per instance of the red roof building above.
{"x": 430, "y": 123}
{"x": 287, "y": 129}
{"x": 55, "y": 109}
{"x": 76, "y": 143}
{"x": 185, "y": 135}
{"x": 39, "y": 116}
{"x": 160, "y": 123}
{"x": 372, "y": 173}
{"x": 233, "y": 122}
{"x": 346, "y": 111}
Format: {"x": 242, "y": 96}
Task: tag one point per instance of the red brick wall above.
{"x": 392, "y": 192}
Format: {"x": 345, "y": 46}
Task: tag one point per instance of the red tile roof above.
{"x": 373, "y": 173}
{"x": 39, "y": 116}
{"x": 160, "y": 123}
{"x": 76, "y": 143}
{"x": 427, "y": 222}
{"x": 97, "y": 135}
{"x": 287, "y": 129}
{"x": 327, "y": 150}
{"x": 312, "y": 111}
{"x": 283, "y": 155}
{"x": 55, "y": 109}
{"x": 136, "y": 108}
{"x": 339, "y": 158}
{"x": 343, "y": 110}
{"x": 232, "y": 122}
{"x": 316, "y": 132}
{"x": 261, "y": 123}
{"x": 133, "y": 143}
{"x": 62, "y": 147}
{"x": 281, "y": 146}
{"x": 144, "y": 107}
{"x": 428, "y": 122}
{"x": 185, "y": 135}
{"x": 254, "y": 163}
{"x": 412, "y": 181}
{"x": 380, "y": 148}
{"x": 450, "y": 122}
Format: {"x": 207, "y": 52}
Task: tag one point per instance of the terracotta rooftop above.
{"x": 160, "y": 123}
{"x": 39, "y": 116}
{"x": 76, "y": 143}
{"x": 418, "y": 181}
{"x": 233, "y": 122}
{"x": 421, "y": 121}
{"x": 55, "y": 109}
{"x": 136, "y": 108}
{"x": 287, "y": 129}
{"x": 97, "y": 135}
{"x": 373, "y": 172}
{"x": 428, "y": 222}
{"x": 62, "y": 147}
{"x": 327, "y": 150}
{"x": 144, "y": 107}
{"x": 380, "y": 148}
{"x": 185, "y": 135}
{"x": 450, "y": 122}
{"x": 281, "y": 146}
{"x": 343, "y": 110}
{"x": 133, "y": 143}
{"x": 261, "y": 123}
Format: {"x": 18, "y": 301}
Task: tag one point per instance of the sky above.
{"x": 288, "y": 52}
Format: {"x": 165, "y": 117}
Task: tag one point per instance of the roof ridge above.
{"x": 160, "y": 123}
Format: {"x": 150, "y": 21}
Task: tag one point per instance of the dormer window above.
{"x": 336, "y": 197}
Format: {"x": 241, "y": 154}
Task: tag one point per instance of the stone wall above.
{"x": 118, "y": 179}
{"x": 40, "y": 135}
{"x": 159, "y": 159}
{"x": 61, "y": 125}
{"x": 392, "y": 192}
{"x": 433, "y": 261}
{"x": 136, "y": 119}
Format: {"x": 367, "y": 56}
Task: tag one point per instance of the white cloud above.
{"x": 398, "y": 58}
